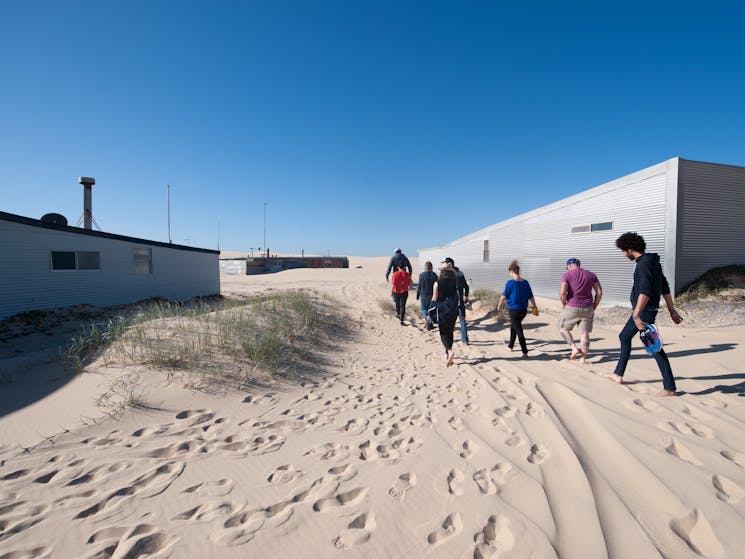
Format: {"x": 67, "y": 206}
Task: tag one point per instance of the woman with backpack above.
{"x": 445, "y": 294}
{"x": 517, "y": 294}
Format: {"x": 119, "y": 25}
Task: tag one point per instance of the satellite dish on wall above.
{"x": 56, "y": 219}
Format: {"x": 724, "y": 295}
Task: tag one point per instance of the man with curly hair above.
{"x": 649, "y": 286}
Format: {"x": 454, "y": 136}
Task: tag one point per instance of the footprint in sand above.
{"x": 261, "y": 399}
{"x": 693, "y": 429}
{"x": 218, "y": 488}
{"x": 344, "y": 472}
{"x": 505, "y": 411}
{"x": 514, "y": 440}
{"x": 358, "y": 531}
{"x": 676, "y": 448}
{"x": 534, "y": 410}
{"x": 194, "y": 417}
{"x": 452, "y": 525}
{"x": 695, "y": 530}
{"x": 345, "y": 499}
{"x": 494, "y": 539}
{"x": 734, "y": 456}
{"x": 727, "y": 490}
{"x": 356, "y": 426}
{"x": 456, "y": 423}
{"x": 469, "y": 447}
{"x": 489, "y": 480}
{"x": 455, "y": 477}
{"x": 143, "y": 540}
{"x": 538, "y": 453}
{"x": 646, "y": 405}
{"x": 286, "y": 473}
{"x": 403, "y": 484}
{"x": 208, "y": 511}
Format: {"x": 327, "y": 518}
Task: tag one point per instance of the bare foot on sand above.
{"x": 449, "y": 358}
{"x": 665, "y": 393}
{"x": 614, "y": 377}
{"x": 575, "y": 353}
{"x": 582, "y": 357}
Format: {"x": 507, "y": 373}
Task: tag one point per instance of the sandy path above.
{"x": 392, "y": 454}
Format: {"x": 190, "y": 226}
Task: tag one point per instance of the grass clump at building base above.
{"x": 726, "y": 282}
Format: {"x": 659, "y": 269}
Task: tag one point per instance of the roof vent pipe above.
{"x": 87, "y": 183}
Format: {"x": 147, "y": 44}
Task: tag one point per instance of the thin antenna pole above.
{"x": 218, "y": 234}
{"x": 168, "y": 197}
{"x": 264, "y": 225}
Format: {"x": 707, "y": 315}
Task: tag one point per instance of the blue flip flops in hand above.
{"x": 651, "y": 339}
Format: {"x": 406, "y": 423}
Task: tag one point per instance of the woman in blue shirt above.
{"x": 517, "y": 294}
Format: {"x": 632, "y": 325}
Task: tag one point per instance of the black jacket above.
{"x": 649, "y": 280}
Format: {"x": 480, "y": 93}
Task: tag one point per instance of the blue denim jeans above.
{"x": 463, "y": 329}
{"x": 627, "y": 334}
{"x": 425, "y": 303}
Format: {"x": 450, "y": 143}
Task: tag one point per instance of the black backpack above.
{"x": 443, "y": 311}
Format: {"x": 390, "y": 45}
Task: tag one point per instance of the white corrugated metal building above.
{"x": 47, "y": 265}
{"x": 689, "y": 212}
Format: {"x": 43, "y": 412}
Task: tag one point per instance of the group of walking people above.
{"x": 445, "y": 296}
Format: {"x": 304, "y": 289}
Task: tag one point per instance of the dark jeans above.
{"x": 516, "y": 328}
{"x": 627, "y": 334}
{"x": 446, "y": 332}
{"x": 400, "y": 300}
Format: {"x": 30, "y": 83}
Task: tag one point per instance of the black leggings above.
{"x": 446, "y": 332}
{"x": 400, "y": 299}
{"x": 516, "y": 328}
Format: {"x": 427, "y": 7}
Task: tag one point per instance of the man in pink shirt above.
{"x": 577, "y": 286}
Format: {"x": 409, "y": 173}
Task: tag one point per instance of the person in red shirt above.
{"x": 401, "y": 284}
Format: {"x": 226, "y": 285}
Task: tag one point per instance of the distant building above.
{"x": 47, "y": 264}
{"x": 262, "y": 264}
{"x": 689, "y": 212}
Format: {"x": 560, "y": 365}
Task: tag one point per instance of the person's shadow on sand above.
{"x": 612, "y": 355}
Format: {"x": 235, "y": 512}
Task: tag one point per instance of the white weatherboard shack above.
{"x": 689, "y": 212}
{"x": 47, "y": 265}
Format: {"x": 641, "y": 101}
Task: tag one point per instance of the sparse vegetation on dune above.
{"x": 216, "y": 342}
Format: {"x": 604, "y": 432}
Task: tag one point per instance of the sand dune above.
{"x": 391, "y": 454}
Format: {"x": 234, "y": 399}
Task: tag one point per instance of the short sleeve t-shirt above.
{"x": 580, "y": 283}
{"x": 517, "y": 294}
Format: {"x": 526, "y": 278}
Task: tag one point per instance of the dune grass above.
{"x": 216, "y": 341}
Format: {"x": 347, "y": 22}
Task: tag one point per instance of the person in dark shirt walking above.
{"x": 424, "y": 288}
{"x": 649, "y": 285}
{"x": 463, "y": 291}
{"x": 397, "y": 258}
{"x": 445, "y": 289}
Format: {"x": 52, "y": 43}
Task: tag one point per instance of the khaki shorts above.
{"x": 571, "y": 316}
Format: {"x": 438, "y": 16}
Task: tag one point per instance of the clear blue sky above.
{"x": 361, "y": 124}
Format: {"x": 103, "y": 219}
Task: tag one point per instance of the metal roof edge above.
{"x": 5, "y": 216}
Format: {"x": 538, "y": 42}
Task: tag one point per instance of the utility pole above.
{"x": 265, "y": 227}
{"x": 168, "y": 198}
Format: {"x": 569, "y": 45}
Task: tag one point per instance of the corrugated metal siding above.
{"x": 541, "y": 240}
{"x": 29, "y": 283}
{"x": 710, "y": 231}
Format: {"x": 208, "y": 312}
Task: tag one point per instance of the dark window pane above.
{"x": 605, "y": 226}
{"x": 63, "y": 260}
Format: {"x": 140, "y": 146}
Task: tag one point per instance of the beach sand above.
{"x": 387, "y": 452}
